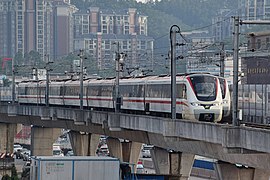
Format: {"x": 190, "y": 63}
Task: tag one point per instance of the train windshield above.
{"x": 205, "y": 87}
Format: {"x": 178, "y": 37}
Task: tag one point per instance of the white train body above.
{"x": 198, "y": 96}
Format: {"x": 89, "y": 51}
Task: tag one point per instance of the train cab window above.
{"x": 204, "y": 87}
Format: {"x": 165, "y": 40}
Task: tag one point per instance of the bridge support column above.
{"x": 177, "y": 164}
{"x": 227, "y": 171}
{"x": 131, "y": 152}
{"x": 83, "y": 144}
{"x": 7, "y": 134}
{"x": 115, "y": 148}
{"x": 125, "y": 151}
{"x": 42, "y": 140}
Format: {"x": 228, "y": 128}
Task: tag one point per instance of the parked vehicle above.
{"x": 145, "y": 153}
{"x": 70, "y": 153}
{"x": 17, "y": 147}
{"x": 57, "y": 151}
{"x": 23, "y": 154}
{"x": 140, "y": 168}
{"x": 75, "y": 167}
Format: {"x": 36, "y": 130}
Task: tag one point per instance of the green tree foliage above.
{"x": 18, "y": 59}
{"x": 14, "y": 175}
{"x": 6, "y": 177}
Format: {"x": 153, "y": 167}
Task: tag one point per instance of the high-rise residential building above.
{"x": 254, "y": 9}
{"x": 44, "y": 26}
{"x": 7, "y": 28}
{"x": 62, "y": 27}
{"x": 103, "y": 32}
{"x": 223, "y": 24}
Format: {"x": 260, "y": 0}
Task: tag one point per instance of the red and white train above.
{"x": 198, "y": 96}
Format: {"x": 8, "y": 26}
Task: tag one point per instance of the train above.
{"x": 198, "y": 95}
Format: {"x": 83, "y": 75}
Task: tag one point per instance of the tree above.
{"x": 14, "y": 175}
{"x": 33, "y": 58}
{"x": 6, "y": 177}
{"x": 18, "y": 59}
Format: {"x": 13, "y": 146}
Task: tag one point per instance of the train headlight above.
{"x": 195, "y": 104}
{"x": 216, "y": 104}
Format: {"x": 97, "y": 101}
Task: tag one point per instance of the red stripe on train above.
{"x": 110, "y": 99}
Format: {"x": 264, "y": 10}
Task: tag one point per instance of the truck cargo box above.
{"x": 75, "y": 168}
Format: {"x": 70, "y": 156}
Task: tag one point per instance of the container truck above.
{"x": 74, "y": 168}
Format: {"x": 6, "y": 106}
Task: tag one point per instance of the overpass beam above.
{"x": 177, "y": 164}
{"x": 227, "y": 171}
{"x": 83, "y": 144}
{"x": 7, "y": 135}
{"x": 42, "y": 140}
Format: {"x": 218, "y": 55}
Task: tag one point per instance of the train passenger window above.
{"x": 42, "y": 90}
{"x": 131, "y": 90}
{"x": 26, "y": 90}
{"x": 140, "y": 90}
{"x": 93, "y": 90}
{"x": 181, "y": 91}
{"x": 62, "y": 90}
{"x": 158, "y": 91}
{"x": 165, "y": 91}
{"x": 106, "y": 91}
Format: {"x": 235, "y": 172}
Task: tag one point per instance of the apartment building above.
{"x": 45, "y": 26}
{"x": 7, "y": 28}
{"x": 102, "y": 33}
{"x": 254, "y": 9}
{"x": 55, "y": 28}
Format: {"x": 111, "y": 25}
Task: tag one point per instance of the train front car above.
{"x": 204, "y": 97}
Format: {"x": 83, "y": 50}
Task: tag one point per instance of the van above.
{"x": 57, "y": 151}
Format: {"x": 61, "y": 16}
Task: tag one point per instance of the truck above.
{"x": 74, "y": 168}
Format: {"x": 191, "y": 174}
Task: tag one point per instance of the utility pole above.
{"x": 119, "y": 67}
{"x": 173, "y": 70}
{"x": 235, "y": 71}
{"x": 222, "y": 59}
{"x": 13, "y": 81}
{"x": 81, "y": 78}
{"x": 47, "y": 80}
{"x": 117, "y": 78}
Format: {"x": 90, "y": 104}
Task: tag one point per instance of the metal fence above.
{"x": 254, "y": 103}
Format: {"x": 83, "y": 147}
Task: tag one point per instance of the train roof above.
{"x": 124, "y": 80}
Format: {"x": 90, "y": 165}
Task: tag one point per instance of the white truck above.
{"x": 74, "y": 168}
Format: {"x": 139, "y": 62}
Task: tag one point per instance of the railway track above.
{"x": 256, "y": 125}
